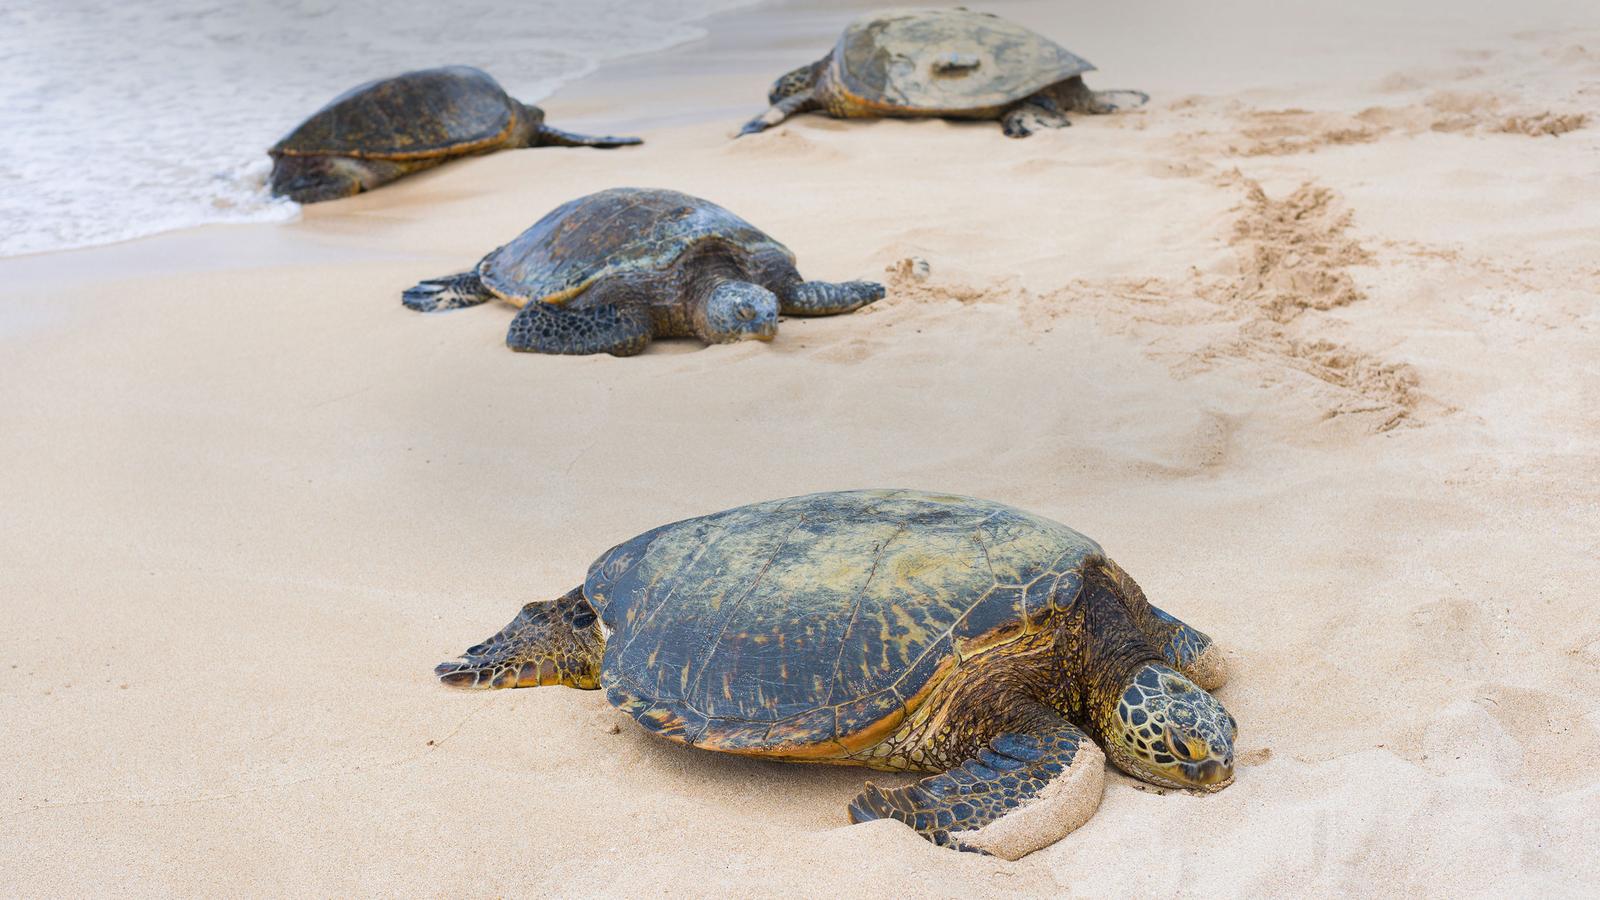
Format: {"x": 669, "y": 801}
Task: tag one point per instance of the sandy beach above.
{"x": 1310, "y": 344}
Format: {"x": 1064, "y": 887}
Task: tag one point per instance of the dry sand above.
{"x": 1311, "y": 345}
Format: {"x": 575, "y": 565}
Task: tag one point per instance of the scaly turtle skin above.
{"x": 607, "y": 272}
{"x": 949, "y": 63}
{"x": 377, "y": 132}
{"x": 894, "y": 629}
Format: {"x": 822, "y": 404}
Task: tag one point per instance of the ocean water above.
{"x": 119, "y": 120}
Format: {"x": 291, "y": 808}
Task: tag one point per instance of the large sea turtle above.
{"x": 894, "y": 629}
{"x": 372, "y": 134}
{"x": 950, "y": 63}
{"x": 607, "y": 272}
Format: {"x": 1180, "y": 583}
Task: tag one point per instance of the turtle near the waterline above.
{"x": 607, "y": 272}
{"x": 947, "y": 63}
{"x": 901, "y": 630}
{"x": 379, "y": 131}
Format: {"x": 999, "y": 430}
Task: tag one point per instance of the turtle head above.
{"x": 793, "y": 82}
{"x": 1168, "y": 731}
{"x": 736, "y": 310}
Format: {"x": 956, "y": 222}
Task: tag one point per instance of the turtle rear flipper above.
{"x": 1021, "y": 793}
{"x": 447, "y": 292}
{"x": 794, "y": 104}
{"x": 545, "y": 136}
{"x": 554, "y": 642}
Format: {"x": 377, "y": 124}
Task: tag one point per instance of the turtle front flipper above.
{"x": 447, "y": 292}
{"x": 1030, "y": 115}
{"x": 1189, "y": 650}
{"x": 1022, "y": 792}
{"x": 313, "y": 179}
{"x": 546, "y": 328}
{"x": 545, "y": 136}
{"x": 1115, "y": 101}
{"x": 553, "y": 642}
{"x": 794, "y": 104}
{"x": 1184, "y": 647}
{"x": 1073, "y": 94}
{"x": 824, "y": 298}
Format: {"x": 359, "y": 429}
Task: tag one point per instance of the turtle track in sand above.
{"x": 1484, "y": 93}
{"x": 1291, "y": 263}
{"x": 1294, "y": 258}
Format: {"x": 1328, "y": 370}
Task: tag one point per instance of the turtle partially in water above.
{"x": 379, "y": 131}
{"x": 948, "y": 63}
{"x": 607, "y": 272}
{"x": 901, "y": 630}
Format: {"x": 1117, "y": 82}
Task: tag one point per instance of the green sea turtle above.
{"x": 900, "y": 630}
{"x": 949, "y": 63}
{"x": 607, "y": 272}
{"x": 377, "y": 132}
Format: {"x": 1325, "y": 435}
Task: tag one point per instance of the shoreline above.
{"x": 1311, "y": 359}
{"x": 722, "y": 78}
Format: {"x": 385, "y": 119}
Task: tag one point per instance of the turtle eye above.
{"x": 1180, "y": 747}
{"x": 746, "y": 313}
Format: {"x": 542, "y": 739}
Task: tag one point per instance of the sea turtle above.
{"x": 372, "y": 134}
{"x": 607, "y": 272}
{"x": 895, "y": 629}
{"x": 950, "y": 63}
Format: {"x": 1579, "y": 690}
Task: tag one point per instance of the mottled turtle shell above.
{"x": 808, "y": 628}
{"x": 890, "y": 60}
{"x": 616, "y": 231}
{"x": 432, "y": 112}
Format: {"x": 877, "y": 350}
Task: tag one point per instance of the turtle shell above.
{"x": 891, "y": 60}
{"x": 431, "y": 112}
{"x": 808, "y": 628}
{"x": 616, "y": 231}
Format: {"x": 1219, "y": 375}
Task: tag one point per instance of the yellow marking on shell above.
{"x": 915, "y": 701}
{"x": 561, "y": 297}
{"x": 875, "y": 733}
{"x": 839, "y": 576}
{"x": 783, "y": 743}
{"x": 968, "y": 648}
{"x": 909, "y": 566}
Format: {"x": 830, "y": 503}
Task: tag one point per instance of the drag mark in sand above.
{"x": 1292, "y": 261}
{"x": 1294, "y": 258}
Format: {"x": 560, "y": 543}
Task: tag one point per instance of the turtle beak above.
{"x": 1210, "y": 775}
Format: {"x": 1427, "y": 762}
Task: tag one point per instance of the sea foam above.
{"x": 123, "y": 120}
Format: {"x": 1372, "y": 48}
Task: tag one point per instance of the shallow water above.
{"x": 121, "y": 120}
